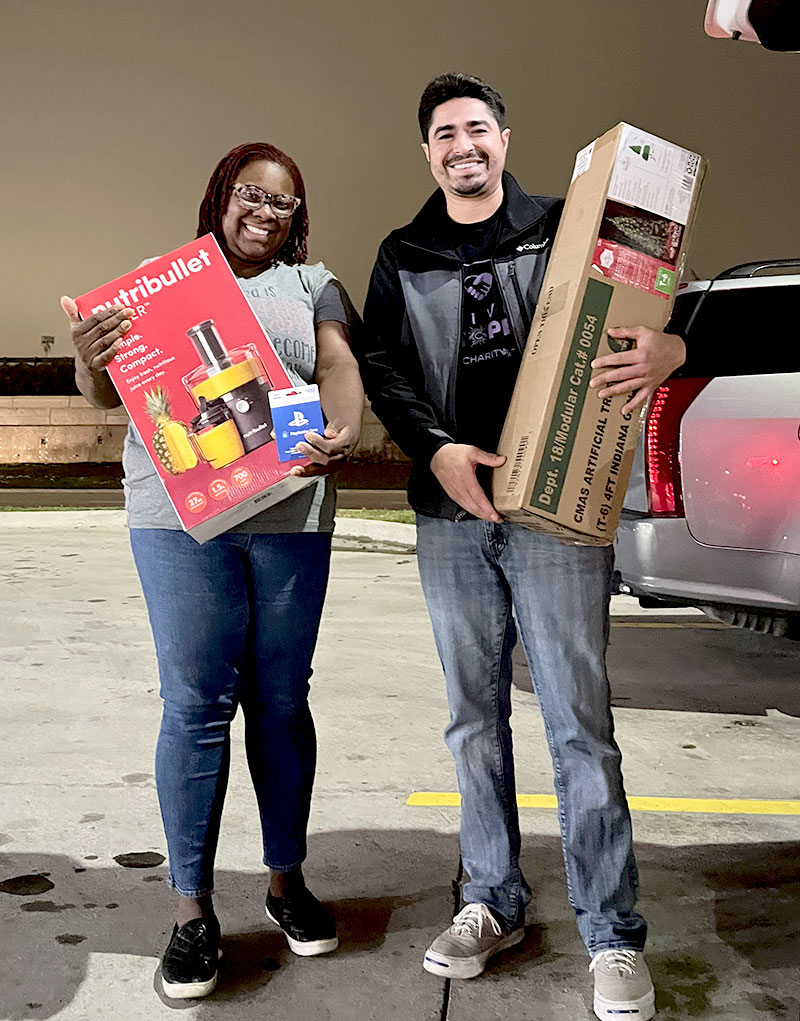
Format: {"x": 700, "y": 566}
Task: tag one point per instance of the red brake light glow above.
{"x": 662, "y": 445}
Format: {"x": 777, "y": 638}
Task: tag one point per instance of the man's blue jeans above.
{"x": 235, "y": 622}
{"x": 473, "y": 573}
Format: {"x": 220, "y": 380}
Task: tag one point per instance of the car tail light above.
{"x": 662, "y": 443}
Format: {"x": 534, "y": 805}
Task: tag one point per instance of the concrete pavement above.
{"x": 721, "y": 891}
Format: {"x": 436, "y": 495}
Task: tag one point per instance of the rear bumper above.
{"x": 659, "y": 557}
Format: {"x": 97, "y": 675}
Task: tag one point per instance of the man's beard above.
{"x": 469, "y": 187}
{"x": 474, "y": 185}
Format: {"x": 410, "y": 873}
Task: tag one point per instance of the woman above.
{"x": 235, "y": 621}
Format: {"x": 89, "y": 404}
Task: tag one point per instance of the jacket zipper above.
{"x": 451, "y": 383}
{"x": 512, "y": 272}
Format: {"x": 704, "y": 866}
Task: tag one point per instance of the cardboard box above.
{"x": 194, "y": 374}
{"x": 616, "y": 261}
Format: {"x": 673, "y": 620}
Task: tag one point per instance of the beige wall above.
{"x": 67, "y": 430}
{"x": 59, "y": 430}
{"x": 115, "y": 112}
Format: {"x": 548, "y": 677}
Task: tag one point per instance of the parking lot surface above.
{"x": 708, "y": 720}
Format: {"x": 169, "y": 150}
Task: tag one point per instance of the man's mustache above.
{"x": 451, "y": 162}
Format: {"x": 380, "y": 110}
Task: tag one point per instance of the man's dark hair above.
{"x": 454, "y": 85}
{"x": 294, "y": 250}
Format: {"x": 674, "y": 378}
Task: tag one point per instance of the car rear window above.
{"x": 740, "y": 331}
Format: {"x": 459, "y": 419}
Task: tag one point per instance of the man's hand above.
{"x": 98, "y": 338}
{"x": 328, "y": 453}
{"x": 643, "y": 368}
{"x": 454, "y": 466}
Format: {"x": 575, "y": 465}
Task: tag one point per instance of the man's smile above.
{"x": 466, "y": 164}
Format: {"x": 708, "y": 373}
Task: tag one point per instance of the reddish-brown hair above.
{"x": 294, "y": 250}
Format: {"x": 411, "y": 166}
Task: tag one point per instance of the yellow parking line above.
{"x": 708, "y": 806}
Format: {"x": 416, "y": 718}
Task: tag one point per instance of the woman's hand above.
{"x": 327, "y": 453}
{"x": 643, "y": 368}
{"x": 98, "y": 338}
{"x": 342, "y": 399}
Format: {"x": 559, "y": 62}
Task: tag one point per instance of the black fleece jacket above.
{"x": 408, "y": 351}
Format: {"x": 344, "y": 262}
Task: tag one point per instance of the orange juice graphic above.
{"x": 215, "y": 434}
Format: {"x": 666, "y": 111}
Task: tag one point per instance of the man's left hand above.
{"x": 327, "y": 453}
{"x": 643, "y": 368}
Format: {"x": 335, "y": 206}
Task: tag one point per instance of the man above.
{"x": 448, "y": 311}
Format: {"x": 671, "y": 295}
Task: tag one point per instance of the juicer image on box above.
{"x": 230, "y": 390}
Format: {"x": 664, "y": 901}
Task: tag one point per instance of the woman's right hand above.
{"x": 98, "y": 338}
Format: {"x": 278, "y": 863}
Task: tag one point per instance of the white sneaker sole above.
{"x": 467, "y": 967}
{"x": 642, "y": 1009}
{"x": 306, "y": 948}
{"x": 190, "y": 990}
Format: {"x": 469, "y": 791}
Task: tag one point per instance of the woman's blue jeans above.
{"x": 235, "y": 622}
{"x": 482, "y": 582}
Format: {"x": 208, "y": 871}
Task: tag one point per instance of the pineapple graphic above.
{"x": 170, "y": 440}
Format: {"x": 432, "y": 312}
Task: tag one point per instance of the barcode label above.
{"x": 516, "y": 471}
{"x": 583, "y": 160}
{"x": 690, "y": 171}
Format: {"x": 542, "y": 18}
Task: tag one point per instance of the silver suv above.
{"x": 712, "y": 511}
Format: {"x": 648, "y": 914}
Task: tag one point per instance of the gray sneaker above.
{"x": 622, "y": 986}
{"x": 463, "y": 950}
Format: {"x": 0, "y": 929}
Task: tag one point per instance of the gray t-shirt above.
{"x": 289, "y": 301}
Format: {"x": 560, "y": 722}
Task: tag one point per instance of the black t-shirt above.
{"x": 489, "y": 355}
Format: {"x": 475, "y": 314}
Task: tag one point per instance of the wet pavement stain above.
{"x": 45, "y": 905}
{"x": 763, "y": 888}
{"x": 5, "y": 838}
{"x": 153, "y": 879}
{"x": 70, "y": 938}
{"x": 92, "y": 817}
{"x": 770, "y": 1006}
{"x": 686, "y": 987}
{"x": 139, "y": 859}
{"x": 26, "y": 886}
{"x": 136, "y": 777}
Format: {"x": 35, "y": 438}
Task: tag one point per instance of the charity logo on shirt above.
{"x": 487, "y": 331}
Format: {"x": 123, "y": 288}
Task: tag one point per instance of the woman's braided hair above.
{"x": 294, "y": 250}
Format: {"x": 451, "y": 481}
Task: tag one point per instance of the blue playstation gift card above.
{"x": 295, "y": 412}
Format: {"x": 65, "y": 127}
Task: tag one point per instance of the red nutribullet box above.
{"x": 194, "y": 373}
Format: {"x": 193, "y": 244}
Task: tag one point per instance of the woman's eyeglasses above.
{"x": 252, "y": 197}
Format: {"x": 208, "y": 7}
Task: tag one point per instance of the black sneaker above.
{"x": 309, "y": 927}
{"x": 189, "y": 964}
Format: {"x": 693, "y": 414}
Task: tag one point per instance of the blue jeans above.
{"x": 479, "y": 578}
{"x": 235, "y": 622}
